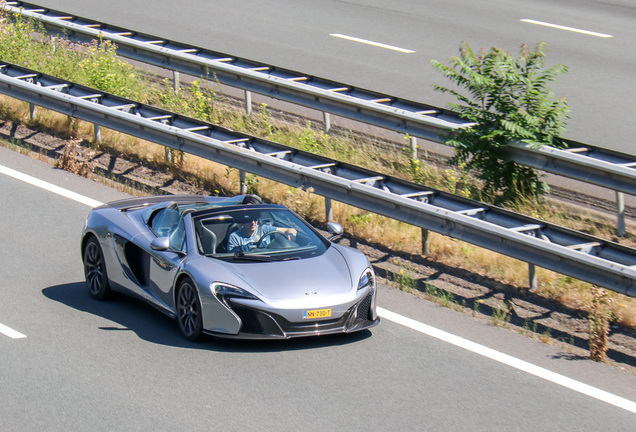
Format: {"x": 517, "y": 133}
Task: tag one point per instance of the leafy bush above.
{"x": 508, "y": 101}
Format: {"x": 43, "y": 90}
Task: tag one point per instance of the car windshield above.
{"x": 256, "y": 234}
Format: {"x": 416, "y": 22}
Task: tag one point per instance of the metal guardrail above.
{"x": 560, "y": 249}
{"x": 583, "y": 162}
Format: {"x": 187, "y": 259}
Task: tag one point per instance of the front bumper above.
{"x": 258, "y": 324}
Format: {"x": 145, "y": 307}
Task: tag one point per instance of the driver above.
{"x": 250, "y": 233}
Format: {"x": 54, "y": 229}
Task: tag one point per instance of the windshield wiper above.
{"x": 260, "y": 257}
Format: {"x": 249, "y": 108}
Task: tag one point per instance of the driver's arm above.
{"x": 290, "y": 233}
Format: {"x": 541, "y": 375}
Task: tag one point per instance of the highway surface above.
{"x": 595, "y": 39}
{"x": 68, "y": 362}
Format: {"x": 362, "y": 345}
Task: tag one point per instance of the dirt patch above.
{"x": 484, "y": 298}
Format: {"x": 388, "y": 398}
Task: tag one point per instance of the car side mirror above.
{"x": 335, "y": 229}
{"x": 160, "y": 244}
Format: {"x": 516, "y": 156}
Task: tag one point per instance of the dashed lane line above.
{"x": 376, "y": 44}
{"x": 5, "y": 330}
{"x": 561, "y": 27}
{"x": 8, "y": 331}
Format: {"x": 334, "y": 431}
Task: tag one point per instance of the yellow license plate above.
{"x": 317, "y": 313}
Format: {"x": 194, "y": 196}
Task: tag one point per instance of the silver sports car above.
{"x": 230, "y": 267}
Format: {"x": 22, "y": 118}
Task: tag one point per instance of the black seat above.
{"x": 230, "y": 229}
{"x": 207, "y": 240}
{"x": 211, "y": 236}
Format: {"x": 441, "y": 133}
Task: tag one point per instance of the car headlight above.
{"x": 225, "y": 290}
{"x": 367, "y": 280}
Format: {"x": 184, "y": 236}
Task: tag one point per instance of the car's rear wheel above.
{"x": 95, "y": 270}
{"x": 189, "y": 310}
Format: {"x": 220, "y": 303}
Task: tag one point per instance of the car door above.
{"x": 165, "y": 265}
{"x": 149, "y": 272}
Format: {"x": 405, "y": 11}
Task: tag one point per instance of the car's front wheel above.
{"x": 189, "y": 310}
{"x": 95, "y": 270}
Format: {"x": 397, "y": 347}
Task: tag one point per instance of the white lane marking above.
{"x": 49, "y": 187}
{"x": 368, "y": 42}
{"x": 506, "y": 359}
{"x": 460, "y": 342}
{"x": 8, "y": 331}
{"x": 560, "y": 27}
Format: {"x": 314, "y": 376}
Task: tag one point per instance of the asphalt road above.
{"x": 120, "y": 365}
{"x": 296, "y": 34}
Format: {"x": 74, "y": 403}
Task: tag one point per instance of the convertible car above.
{"x": 230, "y": 267}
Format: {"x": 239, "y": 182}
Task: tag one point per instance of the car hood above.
{"x": 326, "y": 275}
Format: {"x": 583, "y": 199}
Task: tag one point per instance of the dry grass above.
{"x": 400, "y": 237}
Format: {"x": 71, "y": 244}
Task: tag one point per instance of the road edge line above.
{"x": 509, "y": 360}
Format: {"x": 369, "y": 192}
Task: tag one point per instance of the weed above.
{"x": 546, "y": 337}
{"x": 308, "y": 140}
{"x": 526, "y": 326}
{"x": 501, "y": 316}
{"x": 599, "y": 319}
{"x": 404, "y": 279}
{"x": 95, "y": 64}
{"x": 445, "y": 298}
{"x": 251, "y": 183}
{"x": 476, "y": 305}
{"x": 266, "y": 119}
{"x": 71, "y": 160}
{"x": 359, "y": 219}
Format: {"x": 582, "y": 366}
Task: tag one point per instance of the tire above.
{"x": 189, "y": 314}
{"x": 95, "y": 270}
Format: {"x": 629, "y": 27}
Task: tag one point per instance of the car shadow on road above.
{"x": 130, "y": 314}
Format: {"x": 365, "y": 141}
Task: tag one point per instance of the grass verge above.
{"x": 95, "y": 64}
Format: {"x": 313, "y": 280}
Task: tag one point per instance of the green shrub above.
{"x": 508, "y": 100}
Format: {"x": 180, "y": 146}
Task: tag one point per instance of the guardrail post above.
{"x": 442, "y": 219}
{"x": 327, "y": 119}
{"x": 620, "y": 214}
{"x": 328, "y": 210}
{"x": 413, "y": 144}
{"x": 175, "y": 81}
{"x": 426, "y": 249}
{"x": 532, "y": 277}
{"x": 242, "y": 180}
{"x": 248, "y": 103}
{"x": 98, "y": 133}
{"x": 32, "y": 111}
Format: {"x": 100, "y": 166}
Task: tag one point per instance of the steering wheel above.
{"x": 274, "y": 235}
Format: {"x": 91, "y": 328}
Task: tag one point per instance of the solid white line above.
{"x": 8, "y": 331}
{"x": 506, "y": 359}
{"x": 49, "y": 187}
{"x": 368, "y": 42}
{"x": 388, "y": 315}
{"x": 572, "y": 29}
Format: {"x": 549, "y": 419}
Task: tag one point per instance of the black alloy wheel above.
{"x": 95, "y": 270}
{"x": 189, "y": 310}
